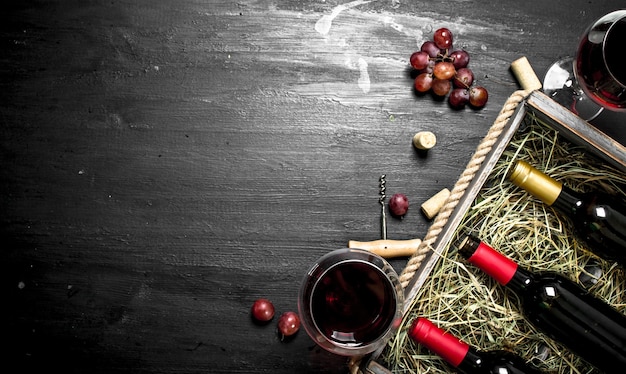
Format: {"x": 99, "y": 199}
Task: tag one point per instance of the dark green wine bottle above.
{"x": 563, "y": 310}
{"x": 599, "y": 220}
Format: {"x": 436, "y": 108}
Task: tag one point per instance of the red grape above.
{"x": 478, "y": 97}
{"x": 419, "y": 60}
{"x": 441, "y": 87}
{"x": 431, "y": 48}
{"x": 460, "y": 58}
{"x": 458, "y": 98}
{"x": 444, "y": 70}
{"x": 423, "y": 82}
{"x": 288, "y": 324}
{"x": 262, "y": 310}
{"x": 398, "y": 204}
{"x": 464, "y": 78}
{"x": 430, "y": 67}
{"x": 443, "y": 38}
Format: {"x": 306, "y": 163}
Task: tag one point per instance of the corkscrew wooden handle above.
{"x": 387, "y": 248}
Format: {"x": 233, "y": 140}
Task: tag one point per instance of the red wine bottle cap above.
{"x": 438, "y": 341}
{"x": 495, "y": 264}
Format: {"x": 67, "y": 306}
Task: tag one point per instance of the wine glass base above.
{"x": 561, "y": 85}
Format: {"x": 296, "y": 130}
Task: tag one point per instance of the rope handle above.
{"x": 484, "y": 147}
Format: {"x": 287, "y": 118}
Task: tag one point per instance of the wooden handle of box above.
{"x": 525, "y": 74}
{"x": 388, "y": 248}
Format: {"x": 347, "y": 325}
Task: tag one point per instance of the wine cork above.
{"x": 525, "y": 74}
{"x": 431, "y": 207}
{"x": 424, "y": 140}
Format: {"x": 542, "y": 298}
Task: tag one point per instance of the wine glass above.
{"x": 350, "y": 302}
{"x": 596, "y": 78}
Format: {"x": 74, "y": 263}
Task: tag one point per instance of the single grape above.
{"x": 441, "y": 87}
{"x": 431, "y": 48}
{"x": 443, "y": 38}
{"x": 423, "y": 82}
{"x": 478, "y": 96}
{"x": 460, "y": 58}
{"x": 464, "y": 78}
{"x": 398, "y": 204}
{"x": 431, "y": 65}
{"x": 419, "y": 60}
{"x": 444, "y": 70}
{"x": 458, "y": 98}
{"x": 262, "y": 310}
{"x": 288, "y": 324}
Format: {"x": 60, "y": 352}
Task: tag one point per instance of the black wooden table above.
{"x": 166, "y": 163}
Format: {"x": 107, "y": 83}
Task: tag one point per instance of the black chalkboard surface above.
{"x": 166, "y": 163}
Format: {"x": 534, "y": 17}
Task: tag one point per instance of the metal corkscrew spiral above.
{"x": 383, "y": 216}
{"x": 384, "y": 247}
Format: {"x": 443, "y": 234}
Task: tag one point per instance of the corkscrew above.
{"x": 384, "y": 247}
{"x": 383, "y": 215}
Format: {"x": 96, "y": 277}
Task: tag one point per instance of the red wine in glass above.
{"x": 601, "y": 61}
{"x": 596, "y": 78}
{"x": 350, "y": 302}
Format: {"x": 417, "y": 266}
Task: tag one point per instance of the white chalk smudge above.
{"x": 361, "y": 65}
{"x": 389, "y": 21}
{"x": 323, "y": 24}
{"x": 364, "y": 78}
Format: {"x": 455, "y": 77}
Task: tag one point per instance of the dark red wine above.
{"x": 601, "y": 61}
{"x": 353, "y": 303}
{"x": 350, "y": 302}
{"x": 464, "y": 357}
{"x": 562, "y": 309}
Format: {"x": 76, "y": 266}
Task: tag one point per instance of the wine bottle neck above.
{"x": 445, "y": 345}
{"x": 495, "y": 264}
{"x": 568, "y": 201}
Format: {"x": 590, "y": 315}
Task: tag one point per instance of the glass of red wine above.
{"x": 350, "y": 302}
{"x": 596, "y": 78}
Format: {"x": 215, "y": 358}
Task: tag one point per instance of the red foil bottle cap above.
{"x": 438, "y": 341}
{"x": 495, "y": 264}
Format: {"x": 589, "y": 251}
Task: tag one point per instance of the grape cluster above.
{"x": 441, "y": 72}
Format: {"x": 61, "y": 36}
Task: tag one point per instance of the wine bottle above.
{"x": 599, "y": 220}
{"x": 462, "y": 356}
{"x": 562, "y": 309}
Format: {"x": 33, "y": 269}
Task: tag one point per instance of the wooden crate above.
{"x": 519, "y": 109}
